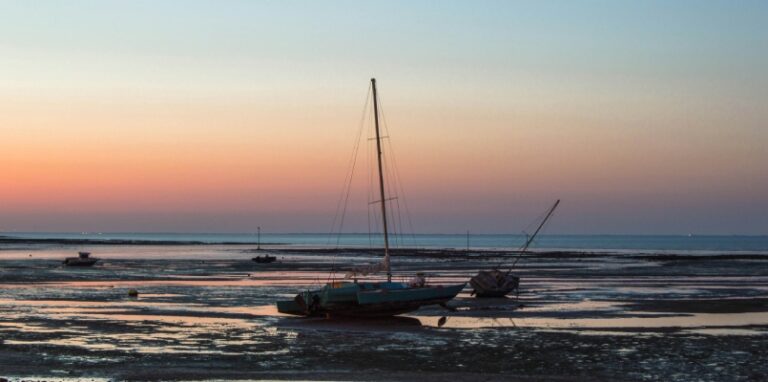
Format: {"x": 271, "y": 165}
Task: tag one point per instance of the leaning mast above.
{"x": 381, "y": 181}
{"x": 530, "y": 238}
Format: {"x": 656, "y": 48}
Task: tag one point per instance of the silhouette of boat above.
{"x": 370, "y": 299}
{"x": 264, "y": 259}
{"x": 496, "y": 283}
{"x": 83, "y": 259}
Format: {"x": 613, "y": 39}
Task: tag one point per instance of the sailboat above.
{"x": 497, "y": 283}
{"x": 371, "y": 299}
{"x": 266, "y": 259}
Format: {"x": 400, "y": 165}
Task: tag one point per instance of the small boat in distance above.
{"x": 264, "y": 259}
{"x": 83, "y": 259}
{"x": 370, "y": 299}
{"x": 497, "y": 283}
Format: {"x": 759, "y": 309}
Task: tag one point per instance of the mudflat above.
{"x": 206, "y": 312}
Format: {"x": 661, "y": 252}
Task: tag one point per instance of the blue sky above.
{"x": 643, "y": 116}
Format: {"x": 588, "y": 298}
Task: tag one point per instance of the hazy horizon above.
{"x": 175, "y": 116}
{"x": 521, "y": 234}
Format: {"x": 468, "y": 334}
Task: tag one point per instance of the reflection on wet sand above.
{"x": 698, "y": 320}
{"x": 224, "y": 310}
{"x": 194, "y": 314}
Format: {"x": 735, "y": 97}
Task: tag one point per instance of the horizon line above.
{"x": 4, "y": 233}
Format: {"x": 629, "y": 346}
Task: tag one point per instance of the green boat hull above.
{"x": 367, "y": 299}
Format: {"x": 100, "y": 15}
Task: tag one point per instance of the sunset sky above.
{"x": 644, "y": 117}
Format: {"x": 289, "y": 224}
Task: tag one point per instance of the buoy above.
{"x": 133, "y": 293}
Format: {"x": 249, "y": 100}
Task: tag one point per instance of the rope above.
{"x": 370, "y": 189}
{"x": 346, "y": 189}
{"x": 397, "y": 178}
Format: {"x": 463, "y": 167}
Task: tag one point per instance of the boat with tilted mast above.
{"x": 498, "y": 283}
{"x": 371, "y": 299}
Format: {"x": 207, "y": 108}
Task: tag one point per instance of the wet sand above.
{"x": 206, "y": 312}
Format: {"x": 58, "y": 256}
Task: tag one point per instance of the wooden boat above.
{"x": 83, "y": 259}
{"x": 370, "y": 299}
{"x": 264, "y": 259}
{"x": 497, "y": 283}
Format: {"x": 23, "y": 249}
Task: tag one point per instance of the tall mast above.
{"x": 381, "y": 181}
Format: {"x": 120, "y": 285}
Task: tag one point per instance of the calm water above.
{"x": 581, "y": 242}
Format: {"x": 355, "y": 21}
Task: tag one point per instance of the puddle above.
{"x": 214, "y": 308}
{"x": 36, "y": 378}
{"x": 728, "y": 332}
{"x": 584, "y": 305}
{"x": 697, "y": 320}
{"x": 128, "y": 302}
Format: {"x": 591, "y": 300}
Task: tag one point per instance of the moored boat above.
{"x": 371, "y": 299}
{"x": 83, "y": 259}
{"x": 494, "y": 283}
{"x": 367, "y": 299}
{"x": 497, "y": 283}
{"x": 264, "y": 259}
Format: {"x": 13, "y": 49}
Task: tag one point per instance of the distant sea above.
{"x": 479, "y": 241}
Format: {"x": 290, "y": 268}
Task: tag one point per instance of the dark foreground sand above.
{"x": 580, "y": 316}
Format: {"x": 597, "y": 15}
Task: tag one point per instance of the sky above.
{"x": 644, "y": 117}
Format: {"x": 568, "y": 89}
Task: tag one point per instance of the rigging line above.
{"x": 528, "y": 242}
{"x": 346, "y": 203}
{"x": 393, "y": 184}
{"x": 376, "y": 219}
{"x": 532, "y": 225}
{"x": 374, "y": 188}
{"x": 542, "y": 232}
{"x": 369, "y": 188}
{"x": 389, "y": 185}
{"x": 405, "y": 204}
{"x": 396, "y": 184}
{"x": 350, "y": 166}
{"x": 346, "y": 198}
{"x": 395, "y": 226}
{"x": 525, "y": 233}
{"x": 397, "y": 175}
{"x": 352, "y": 173}
{"x": 544, "y": 229}
{"x": 348, "y": 184}
{"x": 400, "y": 222}
{"x": 373, "y": 212}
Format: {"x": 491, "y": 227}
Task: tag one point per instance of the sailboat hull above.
{"x": 292, "y": 307}
{"x": 367, "y": 299}
{"x": 394, "y": 296}
{"x": 494, "y": 283}
{"x": 80, "y": 262}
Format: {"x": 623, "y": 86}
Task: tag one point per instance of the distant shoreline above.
{"x": 61, "y": 241}
{"x": 475, "y": 242}
{"x": 425, "y": 252}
